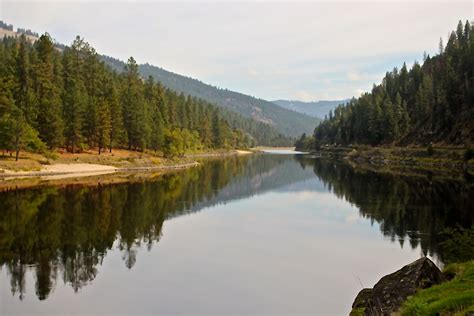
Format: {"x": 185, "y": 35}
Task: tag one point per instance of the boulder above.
{"x": 392, "y": 290}
{"x": 362, "y": 298}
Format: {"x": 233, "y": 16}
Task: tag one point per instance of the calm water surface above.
{"x": 253, "y": 235}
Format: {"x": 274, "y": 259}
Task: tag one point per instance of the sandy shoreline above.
{"x": 58, "y": 171}
{"x": 244, "y": 152}
{"x": 74, "y": 170}
{"x": 66, "y": 170}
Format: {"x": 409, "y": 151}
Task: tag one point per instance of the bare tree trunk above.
{"x": 17, "y": 147}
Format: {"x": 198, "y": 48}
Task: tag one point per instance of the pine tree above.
{"x": 92, "y": 76}
{"x": 430, "y": 102}
{"x": 134, "y": 108}
{"x": 74, "y": 93}
{"x": 49, "y": 122}
{"x": 104, "y": 126}
{"x": 117, "y": 132}
{"x": 24, "y": 95}
{"x": 217, "y": 137}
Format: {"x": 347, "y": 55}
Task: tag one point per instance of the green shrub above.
{"x": 51, "y": 155}
{"x": 457, "y": 244}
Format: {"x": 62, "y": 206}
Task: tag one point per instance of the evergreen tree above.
{"x": 49, "y": 122}
{"x": 429, "y": 102}
{"x": 74, "y": 93}
{"x": 24, "y": 95}
{"x": 133, "y": 107}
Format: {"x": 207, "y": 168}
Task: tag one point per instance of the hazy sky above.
{"x": 272, "y": 50}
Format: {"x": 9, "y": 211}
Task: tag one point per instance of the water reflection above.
{"x": 65, "y": 233}
{"x": 409, "y": 208}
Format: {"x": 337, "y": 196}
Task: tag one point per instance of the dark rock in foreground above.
{"x": 392, "y": 290}
{"x": 362, "y": 298}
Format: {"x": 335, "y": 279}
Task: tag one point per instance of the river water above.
{"x": 250, "y": 235}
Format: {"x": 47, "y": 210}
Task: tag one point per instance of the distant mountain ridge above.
{"x": 317, "y": 109}
{"x": 288, "y": 122}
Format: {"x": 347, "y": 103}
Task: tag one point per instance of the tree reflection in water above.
{"x": 66, "y": 232}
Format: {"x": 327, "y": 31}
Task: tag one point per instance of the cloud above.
{"x": 354, "y": 76}
{"x": 304, "y": 96}
{"x": 359, "y": 92}
{"x": 252, "y": 72}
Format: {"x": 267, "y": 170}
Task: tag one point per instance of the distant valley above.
{"x": 317, "y": 109}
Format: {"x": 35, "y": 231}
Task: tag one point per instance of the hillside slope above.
{"x": 279, "y": 120}
{"x": 259, "y": 133}
{"x": 286, "y": 121}
{"x": 317, "y": 109}
{"x": 432, "y": 102}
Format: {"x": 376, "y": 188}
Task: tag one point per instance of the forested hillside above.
{"x": 317, "y": 109}
{"x": 287, "y": 122}
{"x": 51, "y": 97}
{"x": 432, "y": 102}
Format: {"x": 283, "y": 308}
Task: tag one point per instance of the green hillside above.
{"x": 285, "y": 121}
{"x": 255, "y": 132}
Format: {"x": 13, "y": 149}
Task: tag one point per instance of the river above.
{"x": 258, "y": 234}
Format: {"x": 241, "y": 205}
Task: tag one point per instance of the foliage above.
{"x": 433, "y": 102}
{"x": 70, "y": 98}
{"x": 455, "y": 297}
{"x": 276, "y": 119}
{"x": 305, "y": 143}
{"x": 458, "y": 244}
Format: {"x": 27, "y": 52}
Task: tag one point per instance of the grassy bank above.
{"x": 119, "y": 158}
{"x": 455, "y": 297}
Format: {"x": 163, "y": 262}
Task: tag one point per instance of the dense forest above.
{"x": 275, "y": 117}
{"x": 429, "y": 103}
{"x": 67, "y": 97}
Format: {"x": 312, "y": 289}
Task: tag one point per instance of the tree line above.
{"x": 231, "y": 104}
{"x": 67, "y": 97}
{"x": 432, "y": 102}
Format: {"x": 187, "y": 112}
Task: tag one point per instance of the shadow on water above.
{"x": 65, "y": 233}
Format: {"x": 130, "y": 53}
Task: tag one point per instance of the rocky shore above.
{"x": 391, "y": 291}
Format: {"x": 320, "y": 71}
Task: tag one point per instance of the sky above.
{"x": 313, "y": 50}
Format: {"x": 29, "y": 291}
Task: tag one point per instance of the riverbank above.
{"x": 61, "y": 165}
{"x": 423, "y": 158}
{"x": 455, "y": 297}
{"x": 420, "y": 288}
{"x": 260, "y": 149}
